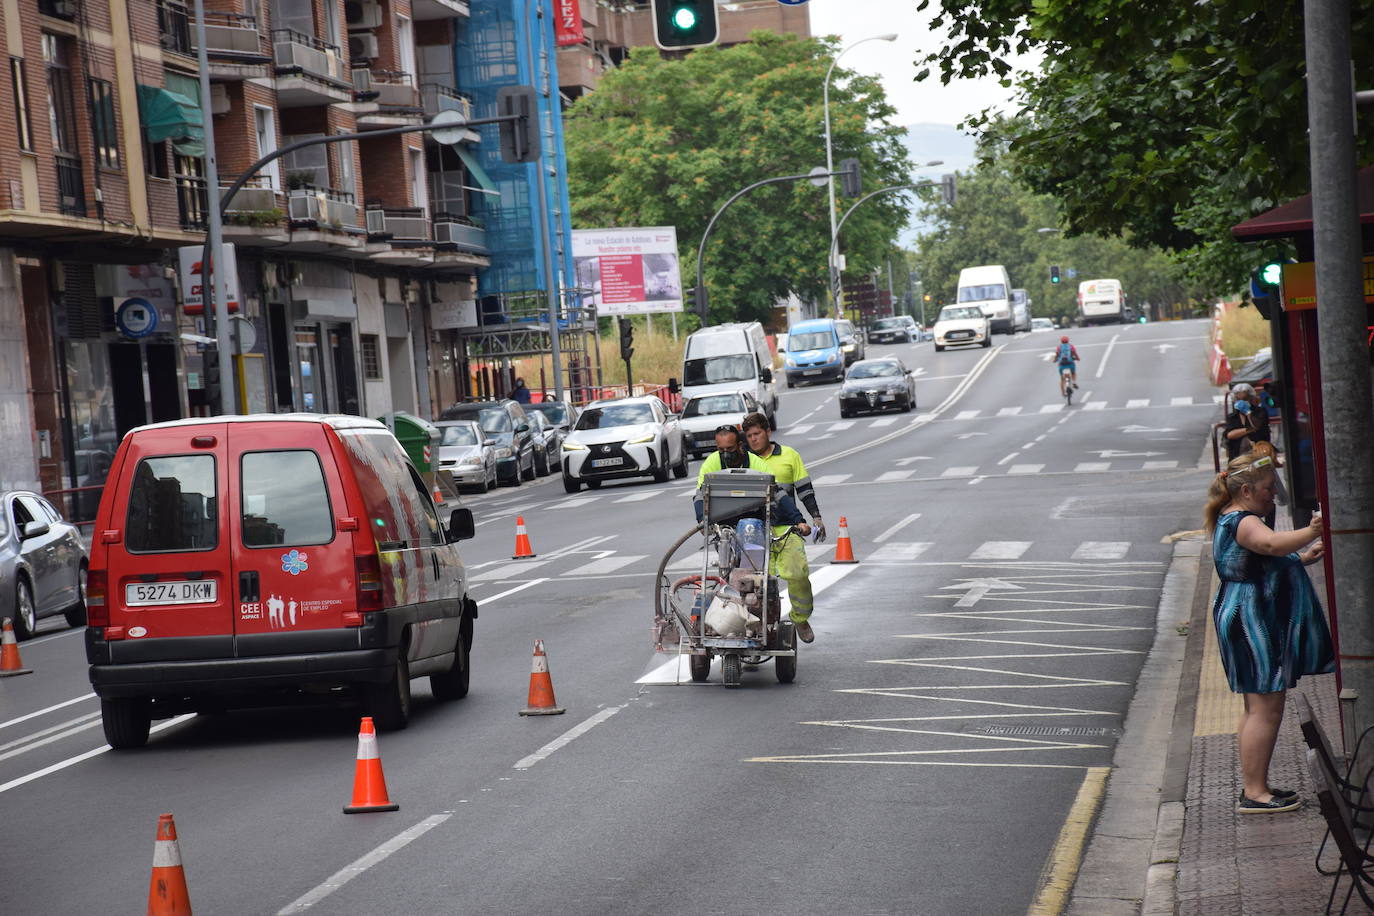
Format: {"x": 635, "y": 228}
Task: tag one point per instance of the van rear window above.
{"x": 172, "y": 505}
{"x": 285, "y": 501}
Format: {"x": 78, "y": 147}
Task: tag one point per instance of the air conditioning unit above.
{"x": 363, "y": 14}
{"x": 362, "y": 46}
{"x": 63, "y": 9}
{"x": 219, "y": 98}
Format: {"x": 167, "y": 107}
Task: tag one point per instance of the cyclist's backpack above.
{"x": 1065, "y": 353}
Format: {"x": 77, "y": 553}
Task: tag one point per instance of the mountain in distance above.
{"x": 956, "y": 149}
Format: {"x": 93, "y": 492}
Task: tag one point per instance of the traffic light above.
{"x": 209, "y": 379}
{"x": 850, "y": 184}
{"x": 949, "y": 189}
{"x": 1264, "y": 286}
{"x": 520, "y": 138}
{"x": 927, "y": 297}
{"x": 1054, "y": 273}
{"x": 627, "y": 338}
{"x": 682, "y": 24}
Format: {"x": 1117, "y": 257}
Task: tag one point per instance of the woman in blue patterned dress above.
{"x": 1270, "y": 625}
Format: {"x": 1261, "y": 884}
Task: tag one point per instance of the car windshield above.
{"x": 883, "y": 369}
{"x": 459, "y": 435}
{"x": 556, "y": 412}
{"x": 813, "y": 340}
{"x": 980, "y": 293}
{"x": 958, "y": 312}
{"x": 716, "y": 403}
{"x": 889, "y": 323}
{"x": 713, "y": 369}
{"x": 613, "y": 415}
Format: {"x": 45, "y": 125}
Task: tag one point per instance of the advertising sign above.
{"x": 192, "y": 297}
{"x": 146, "y": 285}
{"x": 629, "y": 271}
{"x": 456, "y": 313}
{"x": 567, "y": 23}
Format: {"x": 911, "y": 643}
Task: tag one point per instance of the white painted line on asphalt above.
{"x": 1025, "y": 469}
{"x": 1041, "y": 437}
{"x": 1000, "y": 550}
{"x": 1137, "y": 402}
{"x": 1101, "y": 550}
{"x": 1095, "y": 405}
{"x": 1091, "y": 467}
{"x": 358, "y": 866}
{"x": 830, "y": 478}
{"x": 967, "y": 414}
{"x": 45, "y": 710}
{"x": 977, "y": 480}
{"x": 1008, "y": 411}
{"x": 568, "y": 737}
{"x": 580, "y": 545}
{"x": 960, "y": 471}
{"x": 73, "y": 761}
{"x": 1008, "y": 458}
{"x": 511, "y": 591}
{"x": 897, "y": 527}
{"x": 1051, "y": 408}
{"x": 1181, "y": 402}
{"x": 1102, "y": 366}
{"x": 903, "y": 462}
{"x": 56, "y": 733}
{"x": 1159, "y": 465}
{"x": 508, "y": 570}
{"x": 890, "y": 476}
{"x": 1218, "y": 399}
{"x": 636, "y": 497}
{"x": 802, "y": 428}
{"x": 576, "y": 503}
{"x": 603, "y": 566}
{"x": 49, "y": 637}
{"x": 883, "y": 421}
{"x": 898, "y": 552}
{"x": 840, "y": 425}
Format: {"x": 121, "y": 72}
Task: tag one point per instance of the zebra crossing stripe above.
{"x": 883, "y": 421}
{"x": 1092, "y": 467}
{"x": 605, "y": 566}
{"x": 1008, "y": 411}
{"x": 841, "y": 425}
{"x": 1137, "y": 402}
{"x": 1051, "y": 408}
{"x": 801, "y": 428}
{"x": 899, "y": 552}
{"x": 888, "y": 476}
{"x": 831, "y": 479}
{"x": 967, "y": 414}
{"x": 1025, "y": 469}
{"x": 1101, "y": 550}
{"x": 1095, "y": 405}
{"x": 961, "y": 471}
{"x": 636, "y": 497}
{"x": 1181, "y": 402}
{"x": 1000, "y": 550}
{"x": 1159, "y": 465}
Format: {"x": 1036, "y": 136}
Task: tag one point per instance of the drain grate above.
{"x": 1049, "y": 731}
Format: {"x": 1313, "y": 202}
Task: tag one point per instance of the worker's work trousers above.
{"x": 789, "y": 561}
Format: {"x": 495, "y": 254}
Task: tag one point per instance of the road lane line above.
{"x": 1008, "y": 458}
{"x": 1062, "y": 869}
{"x": 46, "y": 709}
{"x": 890, "y": 476}
{"x": 960, "y": 471}
{"x": 897, "y": 527}
{"x": 1000, "y": 550}
{"x": 29, "y": 742}
{"x": 1092, "y": 467}
{"x": 572, "y": 734}
{"x": 1025, "y": 469}
{"x": 1008, "y": 411}
{"x": 1095, "y": 405}
{"x": 1101, "y": 550}
{"x": 1102, "y": 366}
{"x": 358, "y": 866}
{"x": 1134, "y": 403}
{"x": 511, "y": 591}
{"x": 605, "y": 565}
{"x": 73, "y": 761}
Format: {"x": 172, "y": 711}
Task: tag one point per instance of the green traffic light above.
{"x": 684, "y": 18}
{"x": 1272, "y": 273}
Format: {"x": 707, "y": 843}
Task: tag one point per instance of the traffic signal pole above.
{"x": 835, "y": 237}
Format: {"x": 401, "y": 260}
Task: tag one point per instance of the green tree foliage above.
{"x": 665, "y": 142}
{"x": 1166, "y": 123}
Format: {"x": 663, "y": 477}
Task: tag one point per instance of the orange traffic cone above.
{"x": 369, "y": 785}
{"x": 541, "y": 701}
{"x": 10, "y": 665}
{"x": 523, "y": 550}
{"x": 844, "y": 550}
{"x": 167, "y": 894}
{"x": 438, "y": 494}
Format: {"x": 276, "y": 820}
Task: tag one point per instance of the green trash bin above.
{"x": 419, "y": 438}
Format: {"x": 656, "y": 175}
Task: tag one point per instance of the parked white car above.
{"x": 962, "y": 324}
{"x": 625, "y": 437}
{"x": 701, "y": 415}
{"x": 1042, "y": 324}
{"x": 467, "y": 454}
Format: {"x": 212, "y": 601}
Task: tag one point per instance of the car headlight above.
{"x": 848, "y": 348}
{"x": 473, "y": 460}
{"x": 647, "y": 437}
{"x": 574, "y": 447}
{"x": 503, "y": 452}
{"x": 791, "y": 363}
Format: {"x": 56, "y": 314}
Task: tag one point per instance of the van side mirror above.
{"x": 35, "y": 529}
{"x": 766, "y": 374}
{"x": 523, "y": 428}
{"x": 460, "y": 526}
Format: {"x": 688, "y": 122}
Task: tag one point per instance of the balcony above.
{"x": 309, "y": 72}
{"x": 71, "y": 187}
{"x": 255, "y": 215}
{"x": 436, "y": 97}
{"x": 174, "y": 25}
{"x": 58, "y": 9}
{"x": 192, "y": 201}
{"x": 322, "y": 208}
{"x": 439, "y": 9}
{"x": 384, "y": 98}
{"x": 235, "y": 47}
{"x": 399, "y": 236}
{"x": 459, "y": 233}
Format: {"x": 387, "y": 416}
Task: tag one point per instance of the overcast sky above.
{"x": 927, "y": 101}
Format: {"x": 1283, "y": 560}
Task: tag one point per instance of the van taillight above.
{"x": 368, "y": 572}
{"x": 97, "y": 611}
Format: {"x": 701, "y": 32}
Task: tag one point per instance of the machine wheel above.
{"x": 25, "y": 611}
{"x": 571, "y": 484}
{"x": 731, "y": 669}
{"x": 76, "y": 614}
{"x": 126, "y": 721}
{"x": 661, "y": 474}
{"x": 680, "y": 469}
{"x": 939, "y": 349}
{"x": 389, "y": 703}
{"x": 453, "y": 683}
{"x": 700, "y": 666}
{"x": 786, "y": 665}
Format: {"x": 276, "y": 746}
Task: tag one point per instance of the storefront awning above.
{"x": 168, "y": 115}
{"x": 475, "y": 167}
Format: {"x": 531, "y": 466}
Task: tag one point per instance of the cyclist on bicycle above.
{"x": 1066, "y": 357}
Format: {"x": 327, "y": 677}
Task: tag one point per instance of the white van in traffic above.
{"x": 989, "y": 288}
{"x": 1020, "y": 310}
{"x": 730, "y": 357}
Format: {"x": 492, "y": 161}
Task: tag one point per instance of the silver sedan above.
{"x": 42, "y": 564}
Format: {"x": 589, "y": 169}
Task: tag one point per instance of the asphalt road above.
{"x": 980, "y": 657}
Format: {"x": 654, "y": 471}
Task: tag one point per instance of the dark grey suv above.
{"x": 505, "y": 423}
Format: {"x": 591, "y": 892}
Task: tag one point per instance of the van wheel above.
{"x": 680, "y": 469}
{"x": 571, "y": 484}
{"x": 126, "y": 721}
{"x": 76, "y": 614}
{"x": 25, "y": 611}
{"x": 939, "y": 349}
{"x": 453, "y": 683}
{"x": 389, "y": 703}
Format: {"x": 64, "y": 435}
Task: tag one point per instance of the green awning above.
{"x": 169, "y": 115}
{"x": 475, "y": 167}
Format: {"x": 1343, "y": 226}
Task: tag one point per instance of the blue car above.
{"x": 813, "y": 352}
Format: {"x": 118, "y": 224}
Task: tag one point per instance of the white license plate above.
{"x": 606, "y": 462}
{"x": 811, "y": 372}
{"x": 888, "y": 397}
{"x": 148, "y": 593}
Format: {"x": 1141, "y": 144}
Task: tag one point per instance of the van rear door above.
{"x": 167, "y": 545}
{"x": 292, "y": 570}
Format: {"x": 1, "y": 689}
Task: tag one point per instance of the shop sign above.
{"x": 456, "y": 313}
{"x": 192, "y": 294}
{"x": 567, "y": 23}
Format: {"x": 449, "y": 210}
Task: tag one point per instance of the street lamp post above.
{"x": 835, "y": 289}
{"x": 829, "y": 151}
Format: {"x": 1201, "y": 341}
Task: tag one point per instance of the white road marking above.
{"x": 605, "y": 565}
{"x": 1101, "y": 550}
{"x": 897, "y": 527}
{"x": 802, "y": 428}
{"x": 636, "y": 497}
{"x": 1102, "y": 366}
{"x": 1051, "y": 408}
{"x": 73, "y": 761}
{"x": 511, "y": 591}
{"x": 1218, "y": 399}
{"x": 1025, "y": 469}
{"x": 883, "y": 421}
{"x": 1181, "y": 402}
{"x": 358, "y": 866}
{"x": 1000, "y": 550}
{"x": 1008, "y": 458}
{"x": 49, "y": 735}
{"x": 967, "y": 414}
{"x": 889, "y": 476}
{"x": 961, "y": 471}
{"x": 1091, "y": 467}
{"x": 899, "y": 552}
{"x": 977, "y": 480}
{"x": 575, "y": 503}
{"x": 1008, "y": 411}
{"x": 46, "y": 709}
{"x": 841, "y": 425}
{"x": 903, "y": 462}
{"x": 830, "y": 478}
{"x": 1160, "y": 465}
{"x": 1095, "y": 405}
{"x": 1137, "y": 402}
{"x": 508, "y": 570}
{"x": 563, "y": 740}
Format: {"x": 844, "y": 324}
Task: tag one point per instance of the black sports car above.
{"x": 877, "y": 384}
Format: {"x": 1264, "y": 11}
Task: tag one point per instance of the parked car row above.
{"x": 485, "y": 443}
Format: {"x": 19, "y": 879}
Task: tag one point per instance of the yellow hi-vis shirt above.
{"x": 785, "y": 465}
{"x": 712, "y": 463}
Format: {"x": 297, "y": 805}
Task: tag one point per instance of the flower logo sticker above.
{"x": 294, "y": 562}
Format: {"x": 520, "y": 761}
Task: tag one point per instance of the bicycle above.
{"x": 1066, "y": 385}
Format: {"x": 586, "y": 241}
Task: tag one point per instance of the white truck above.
{"x": 989, "y": 288}
{"x": 1101, "y": 302}
{"x": 730, "y": 357}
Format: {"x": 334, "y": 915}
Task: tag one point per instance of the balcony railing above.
{"x": 323, "y": 207}
{"x": 230, "y": 34}
{"x": 459, "y": 231}
{"x": 192, "y": 201}
{"x": 254, "y": 204}
{"x": 59, "y": 9}
{"x": 388, "y": 88}
{"x": 436, "y": 97}
{"x": 71, "y": 187}
{"x": 295, "y": 51}
{"x": 401, "y": 224}
{"x": 174, "y": 24}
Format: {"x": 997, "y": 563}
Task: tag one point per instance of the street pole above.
{"x": 214, "y": 297}
{"x": 542, "y": 87}
{"x": 1341, "y": 329}
{"x": 835, "y": 238}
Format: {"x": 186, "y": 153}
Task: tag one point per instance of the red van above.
{"x": 242, "y": 560}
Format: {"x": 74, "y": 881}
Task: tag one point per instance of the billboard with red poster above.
{"x": 567, "y": 23}
{"x": 628, "y": 271}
